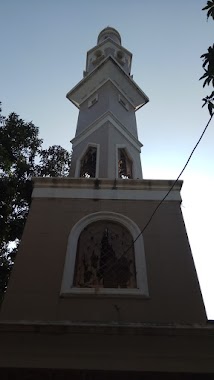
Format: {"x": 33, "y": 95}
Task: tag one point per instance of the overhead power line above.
{"x": 168, "y": 192}
{"x": 174, "y": 183}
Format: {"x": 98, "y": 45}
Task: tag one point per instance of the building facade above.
{"x": 95, "y": 291}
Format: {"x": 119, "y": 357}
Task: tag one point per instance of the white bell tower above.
{"x": 106, "y": 143}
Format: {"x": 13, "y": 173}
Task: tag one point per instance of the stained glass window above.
{"x": 88, "y": 163}
{"x": 105, "y": 257}
{"x": 124, "y": 165}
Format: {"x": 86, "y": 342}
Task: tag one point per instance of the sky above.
{"x": 43, "y": 53}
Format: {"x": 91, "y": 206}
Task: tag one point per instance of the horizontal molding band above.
{"x": 139, "y": 328}
{"x": 118, "y": 194}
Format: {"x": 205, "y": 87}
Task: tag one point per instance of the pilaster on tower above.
{"x": 106, "y": 143}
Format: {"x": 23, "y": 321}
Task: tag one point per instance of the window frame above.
{"x": 67, "y": 288}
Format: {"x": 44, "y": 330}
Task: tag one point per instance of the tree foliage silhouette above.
{"x": 208, "y": 64}
{"x": 21, "y": 158}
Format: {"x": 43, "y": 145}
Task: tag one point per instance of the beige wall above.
{"x": 34, "y": 288}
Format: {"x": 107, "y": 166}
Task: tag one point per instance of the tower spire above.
{"x": 107, "y": 98}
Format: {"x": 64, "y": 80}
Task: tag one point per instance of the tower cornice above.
{"x": 92, "y": 188}
{"x": 108, "y": 69}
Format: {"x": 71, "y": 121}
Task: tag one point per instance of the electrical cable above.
{"x": 174, "y": 183}
{"x": 169, "y": 191}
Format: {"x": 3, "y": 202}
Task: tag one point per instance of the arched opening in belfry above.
{"x": 124, "y": 164}
{"x": 88, "y": 163}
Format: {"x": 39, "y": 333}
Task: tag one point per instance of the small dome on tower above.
{"x": 109, "y": 33}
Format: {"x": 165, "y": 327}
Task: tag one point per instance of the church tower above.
{"x": 90, "y": 293}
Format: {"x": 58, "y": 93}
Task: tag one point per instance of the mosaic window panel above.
{"x": 105, "y": 257}
{"x": 88, "y": 163}
{"x": 124, "y": 165}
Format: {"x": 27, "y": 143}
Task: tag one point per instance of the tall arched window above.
{"x": 102, "y": 258}
{"x": 105, "y": 257}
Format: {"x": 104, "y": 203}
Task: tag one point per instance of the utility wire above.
{"x": 168, "y": 192}
{"x": 174, "y": 183}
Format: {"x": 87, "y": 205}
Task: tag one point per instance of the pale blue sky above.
{"x": 43, "y": 51}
